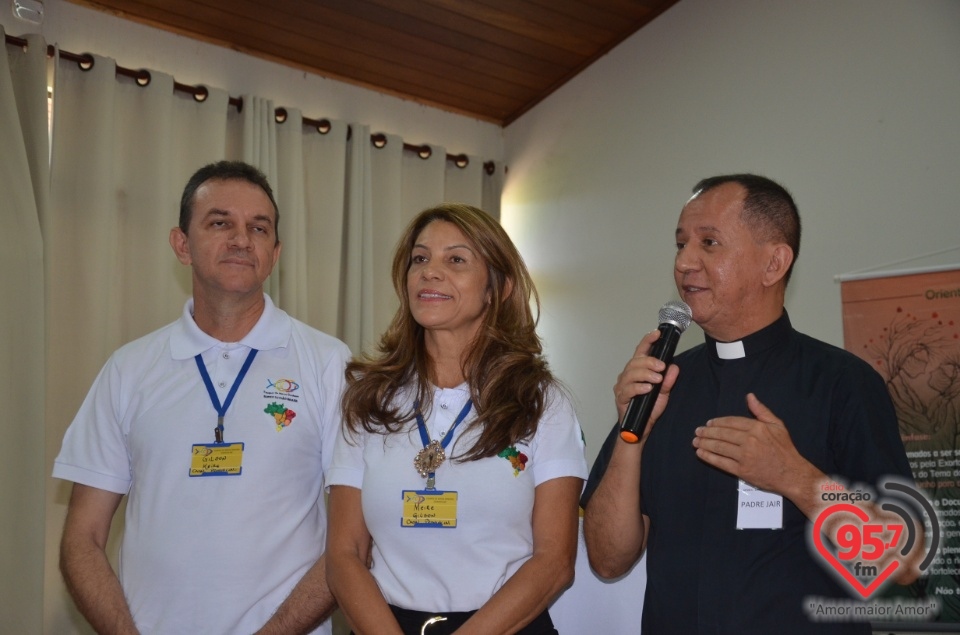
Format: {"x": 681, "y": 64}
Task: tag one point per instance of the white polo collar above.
{"x": 271, "y": 331}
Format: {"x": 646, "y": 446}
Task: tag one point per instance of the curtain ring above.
{"x": 280, "y": 115}
{"x": 324, "y": 126}
{"x": 461, "y": 161}
{"x": 424, "y": 152}
{"x": 379, "y": 140}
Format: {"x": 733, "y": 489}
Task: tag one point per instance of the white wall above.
{"x": 853, "y": 105}
{"x": 80, "y": 30}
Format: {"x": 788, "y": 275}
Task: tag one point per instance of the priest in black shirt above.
{"x": 758, "y": 405}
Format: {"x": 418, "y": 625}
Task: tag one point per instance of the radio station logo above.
{"x": 866, "y": 544}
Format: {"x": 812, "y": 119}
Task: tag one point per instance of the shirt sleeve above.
{"x": 94, "y": 450}
{"x": 348, "y": 464}
{"x": 557, "y": 449}
{"x": 333, "y": 383}
{"x": 866, "y": 436}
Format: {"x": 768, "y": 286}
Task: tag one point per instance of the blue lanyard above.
{"x": 443, "y": 443}
{"x": 222, "y": 408}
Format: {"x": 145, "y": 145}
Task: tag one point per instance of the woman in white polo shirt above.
{"x": 453, "y": 490}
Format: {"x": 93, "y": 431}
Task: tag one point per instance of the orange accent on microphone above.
{"x": 628, "y": 436}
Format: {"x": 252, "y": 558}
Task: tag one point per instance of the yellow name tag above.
{"x": 216, "y": 459}
{"x": 429, "y": 508}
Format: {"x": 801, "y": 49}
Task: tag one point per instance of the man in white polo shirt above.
{"x": 219, "y": 428}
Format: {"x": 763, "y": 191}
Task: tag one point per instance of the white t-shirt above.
{"x": 214, "y": 554}
{"x": 458, "y": 569}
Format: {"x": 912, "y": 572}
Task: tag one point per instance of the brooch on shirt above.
{"x": 518, "y": 460}
{"x": 281, "y": 414}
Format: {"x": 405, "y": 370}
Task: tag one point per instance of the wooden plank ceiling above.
{"x": 489, "y": 59}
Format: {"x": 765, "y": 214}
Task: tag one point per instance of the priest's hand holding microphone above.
{"x": 643, "y": 387}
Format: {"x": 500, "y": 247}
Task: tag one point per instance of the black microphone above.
{"x": 674, "y": 318}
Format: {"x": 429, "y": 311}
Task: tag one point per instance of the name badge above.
{"x": 758, "y": 509}
{"x": 216, "y": 459}
{"x": 429, "y": 508}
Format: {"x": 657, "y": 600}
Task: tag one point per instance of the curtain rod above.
{"x": 200, "y": 93}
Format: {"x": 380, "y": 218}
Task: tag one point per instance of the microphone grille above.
{"x": 676, "y": 312}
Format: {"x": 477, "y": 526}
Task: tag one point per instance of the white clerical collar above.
{"x": 730, "y": 350}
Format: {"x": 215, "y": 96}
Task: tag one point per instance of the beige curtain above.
{"x": 256, "y": 131}
{"x": 121, "y": 154}
{"x": 23, "y": 200}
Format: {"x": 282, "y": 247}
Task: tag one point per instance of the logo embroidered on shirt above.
{"x": 518, "y": 460}
{"x": 282, "y": 390}
{"x": 281, "y": 414}
{"x": 282, "y": 385}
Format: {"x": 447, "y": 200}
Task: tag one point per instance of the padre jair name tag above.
{"x": 216, "y": 459}
{"x": 429, "y": 508}
{"x": 758, "y": 509}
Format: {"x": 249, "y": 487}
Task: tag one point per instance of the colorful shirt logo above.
{"x": 517, "y": 459}
{"x": 282, "y": 385}
{"x": 281, "y": 414}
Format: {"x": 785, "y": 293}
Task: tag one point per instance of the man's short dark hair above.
{"x": 768, "y": 209}
{"x": 225, "y": 171}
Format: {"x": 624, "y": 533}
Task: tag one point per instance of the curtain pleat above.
{"x": 289, "y": 186}
{"x": 198, "y": 136}
{"x": 144, "y": 119}
{"x": 82, "y": 281}
{"x": 423, "y": 181}
{"x": 103, "y": 272}
{"x": 464, "y": 185}
{"x": 259, "y": 148}
{"x": 23, "y": 183}
{"x": 325, "y": 200}
{"x": 358, "y": 273}
{"x": 386, "y": 173}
